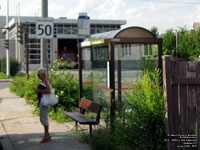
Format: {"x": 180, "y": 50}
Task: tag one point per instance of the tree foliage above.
{"x": 15, "y": 66}
{"x": 154, "y": 30}
{"x": 188, "y": 43}
{"x": 169, "y": 42}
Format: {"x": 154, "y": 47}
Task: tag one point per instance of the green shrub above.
{"x": 103, "y": 139}
{"x": 66, "y": 89}
{"x": 17, "y": 85}
{"x": 20, "y": 74}
{"x": 30, "y": 95}
{"x": 2, "y": 75}
{"x": 15, "y": 66}
{"x": 64, "y": 64}
{"x": 148, "y": 63}
{"x": 58, "y": 115}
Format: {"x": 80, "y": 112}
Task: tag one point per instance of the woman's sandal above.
{"x": 44, "y": 139}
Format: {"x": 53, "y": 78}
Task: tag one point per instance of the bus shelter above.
{"x": 109, "y": 61}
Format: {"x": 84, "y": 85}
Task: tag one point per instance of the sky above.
{"x": 163, "y": 14}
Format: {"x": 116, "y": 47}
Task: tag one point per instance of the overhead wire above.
{"x": 175, "y": 2}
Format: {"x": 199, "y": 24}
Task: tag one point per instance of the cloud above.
{"x": 81, "y": 6}
{"x": 30, "y": 9}
{"x": 54, "y": 8}
{"x": 137, "y": 12}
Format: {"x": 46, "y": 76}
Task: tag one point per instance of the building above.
{"x": 196, "y": 26}
{"x": 63, "y": 42}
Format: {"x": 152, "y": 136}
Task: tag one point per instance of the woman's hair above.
{"x": 42, "y": 71}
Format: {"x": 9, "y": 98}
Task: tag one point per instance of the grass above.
{"x": 2, "y": 75}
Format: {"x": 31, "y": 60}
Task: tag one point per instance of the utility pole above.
{"x": 25, "y": 41}
{"x": 44, "y": 42}
{"x": 7, "y": 38}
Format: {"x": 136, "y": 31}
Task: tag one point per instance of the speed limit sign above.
{"x": 44, "y": 28}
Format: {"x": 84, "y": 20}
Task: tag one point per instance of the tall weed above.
{"x": 141, "y": 125}
{"x": 144, "y": 125}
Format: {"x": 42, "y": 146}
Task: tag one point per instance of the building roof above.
{"x": 63, "y": 20}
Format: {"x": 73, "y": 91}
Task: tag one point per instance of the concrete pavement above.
{"x": 22, "y": 130}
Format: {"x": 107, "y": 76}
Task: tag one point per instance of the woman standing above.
{"x": 42, "y": 74}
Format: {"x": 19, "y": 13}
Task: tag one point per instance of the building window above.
{"x": 67, "y": 29}
{"x": 60, "y": 29}
{"x": 118, "y": 27}
{"x": 126, "y": 50}
{"x": 74, "y": 29}
{"x": 92, "y": 29}
{"x": 32, "y": 29}
{"x": 99, "y": 29}
{"x": 34, "y": 51}
{"x": 106, "y": 28}
{"x": 113, "y": 27}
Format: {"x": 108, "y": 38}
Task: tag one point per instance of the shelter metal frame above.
{"x": 131, "y": 35}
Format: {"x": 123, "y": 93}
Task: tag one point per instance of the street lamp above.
{"x": 7, "y": 38}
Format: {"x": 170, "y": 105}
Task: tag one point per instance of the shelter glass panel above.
{"x": 130, "y": 62}
{"x": 95, "y": 74}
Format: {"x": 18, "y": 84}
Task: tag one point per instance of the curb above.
{"x": 6, "y": 80}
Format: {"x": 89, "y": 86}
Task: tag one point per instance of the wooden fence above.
{"x": 181, "y": 80}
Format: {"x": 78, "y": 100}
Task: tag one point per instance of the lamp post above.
{"x": 7, "y": 38}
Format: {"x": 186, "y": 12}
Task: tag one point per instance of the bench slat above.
{"x": 90, "y": 105}
{"x": 80, "y": 118}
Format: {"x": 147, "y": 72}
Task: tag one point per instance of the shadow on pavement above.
{"x": 59, "y": 141}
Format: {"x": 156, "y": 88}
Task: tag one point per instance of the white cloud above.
{"x": 137, "y": 13}
{"x": 81, "y": 6}
{"x": 55, "y": 8}
{"x": 30, "y": 9}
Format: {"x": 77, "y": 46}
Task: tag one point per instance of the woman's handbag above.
{"x": 49, "y": 99}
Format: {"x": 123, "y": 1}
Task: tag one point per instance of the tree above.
{"x": 154, "y": 30}
{"x": 15, "y": 66}
{"x": 169, "y": 42}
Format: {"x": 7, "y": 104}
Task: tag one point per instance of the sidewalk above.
{"x": 22, "y": 130}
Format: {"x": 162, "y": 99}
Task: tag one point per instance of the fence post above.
{"x": 171, "y": 100}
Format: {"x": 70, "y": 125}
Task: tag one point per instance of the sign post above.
{"x": 44, "y": 31}
{"x": 83, "y": 31}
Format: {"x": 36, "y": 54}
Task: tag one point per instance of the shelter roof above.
{"x": 130, "y": 32}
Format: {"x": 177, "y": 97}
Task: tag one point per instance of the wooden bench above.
{"x": 81, "y": 118}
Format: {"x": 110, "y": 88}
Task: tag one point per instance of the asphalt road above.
{"x": 4, "y": 84}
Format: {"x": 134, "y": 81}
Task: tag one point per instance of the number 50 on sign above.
{"x": 44, "y": 28}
